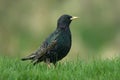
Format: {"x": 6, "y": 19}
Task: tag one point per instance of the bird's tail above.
{"x": 34, "y": 58}
{"x": 39, "y": 55}
{"x": 28, "y": 57}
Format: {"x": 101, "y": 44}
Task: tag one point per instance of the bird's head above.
{"x": 64, "y": 21}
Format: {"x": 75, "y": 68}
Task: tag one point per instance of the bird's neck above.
{"x": 63, "y": 26}
{"x": 63, "y": 29}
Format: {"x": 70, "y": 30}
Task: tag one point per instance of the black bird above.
{"x": 57, "y": 45}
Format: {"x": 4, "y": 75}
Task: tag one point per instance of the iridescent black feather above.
{"x": 56, "y": 46}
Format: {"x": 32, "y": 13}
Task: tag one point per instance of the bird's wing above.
{"x": 45, "y": 48}
{"x": 47, "y": 45}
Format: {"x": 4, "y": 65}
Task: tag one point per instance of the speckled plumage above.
{"x": 56, "y": 46}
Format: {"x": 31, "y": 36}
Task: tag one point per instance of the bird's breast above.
{"x": 64, "y": 42}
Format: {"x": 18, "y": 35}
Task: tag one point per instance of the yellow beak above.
{"x": 73, "y": 17}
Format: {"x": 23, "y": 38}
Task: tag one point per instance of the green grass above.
{"x": 14, "y": 69}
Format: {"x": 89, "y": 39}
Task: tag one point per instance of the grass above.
{"x": 14, "y": 69}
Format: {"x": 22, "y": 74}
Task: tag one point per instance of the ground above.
{"x": 15, "y": 69}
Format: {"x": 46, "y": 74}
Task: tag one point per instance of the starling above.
{"x": 56, "y": 46}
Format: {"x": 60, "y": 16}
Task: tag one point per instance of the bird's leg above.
{"x": 55, "y": 56}
{"x": 48, "y": 62}
{"x": 48, "y": 65}
{"x": 54, "y": 64}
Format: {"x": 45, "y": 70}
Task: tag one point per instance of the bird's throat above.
{"x": 63, "y": 26}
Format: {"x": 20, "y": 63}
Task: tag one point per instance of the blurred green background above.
{"x": 24, "y": 24}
